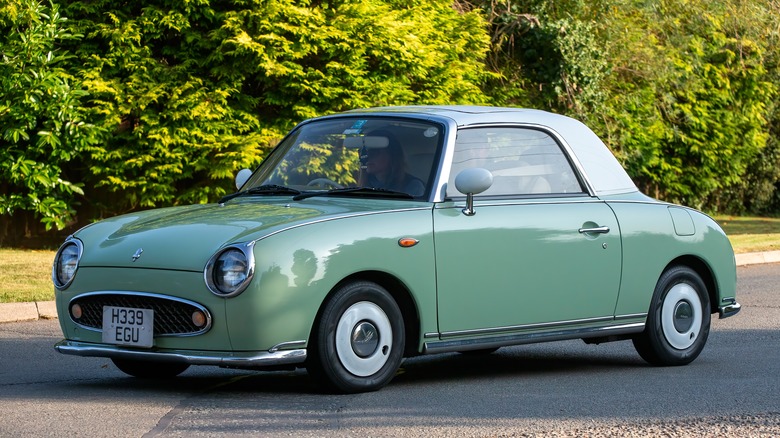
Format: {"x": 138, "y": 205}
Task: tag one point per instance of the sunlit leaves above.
{"x": 42, "y": 124}
{"x": 682, "y": 91}
{"x": 190, "y": 92}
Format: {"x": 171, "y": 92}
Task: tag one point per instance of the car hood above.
{"x": 184, "y": 238}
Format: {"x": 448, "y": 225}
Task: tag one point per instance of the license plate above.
{"x": 128, "y": 326}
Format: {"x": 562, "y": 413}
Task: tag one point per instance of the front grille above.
{"x": 172, "y": 317}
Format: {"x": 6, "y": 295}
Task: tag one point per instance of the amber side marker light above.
{"x": 198, "y": 318}
{"x": 75, "y": 311}
{"x": 407, "y": 242}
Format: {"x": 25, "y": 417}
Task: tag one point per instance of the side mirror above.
{"x": 472, "y": 182}
{"x": 241, "y": 177}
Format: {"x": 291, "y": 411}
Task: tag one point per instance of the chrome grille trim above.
{"x": 172, "y": 315}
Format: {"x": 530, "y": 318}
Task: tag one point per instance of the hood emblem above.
{"x": 137, "y": 254}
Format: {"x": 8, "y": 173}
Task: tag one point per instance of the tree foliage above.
{"x": 682, "y": 91}
{"x": 191, "y": 91}
{"x": 42, "y": 127}
{"x": 127, "y": 105}
{"x": 710, "y": 95}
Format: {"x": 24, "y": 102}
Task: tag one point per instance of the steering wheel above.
{"x": 325, "y": 182}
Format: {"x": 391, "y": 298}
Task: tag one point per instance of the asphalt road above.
{"x": 556, "y": 389}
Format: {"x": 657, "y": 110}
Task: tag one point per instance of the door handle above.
{"x": 594, "y": 230}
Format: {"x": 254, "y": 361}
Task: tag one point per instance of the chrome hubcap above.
{"x": 365, "y": 339}
{"x": 683, "y": 317}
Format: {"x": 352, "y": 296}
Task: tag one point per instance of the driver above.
{"x": 385, "y": 168}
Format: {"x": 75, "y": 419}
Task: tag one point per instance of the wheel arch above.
{"x": 704, "y": 271}
{"x": 400, "y": 293}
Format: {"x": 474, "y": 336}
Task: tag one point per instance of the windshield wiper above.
{"x": 357, "y": 191}
{"x": 268, "y": 189}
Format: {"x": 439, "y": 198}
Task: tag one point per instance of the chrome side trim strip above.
{"x": 499, "y": 201}
{"x": 530, "y": 338}
{"x": 220, "y": 358}
{"x": 631, "y": 316}
{"x": 541, "y": 325}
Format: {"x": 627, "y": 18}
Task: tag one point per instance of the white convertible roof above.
{"x": 602, "y": 169}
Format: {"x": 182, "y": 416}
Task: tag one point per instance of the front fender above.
{"x": 296, "y": 270}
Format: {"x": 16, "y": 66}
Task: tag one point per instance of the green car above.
{"x": 373, "y": 235}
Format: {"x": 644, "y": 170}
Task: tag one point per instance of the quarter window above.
{"x": 523, "y": 161}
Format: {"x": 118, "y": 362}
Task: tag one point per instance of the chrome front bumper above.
{"x": 232, "y": 359}
{"x": 730, "y": 308}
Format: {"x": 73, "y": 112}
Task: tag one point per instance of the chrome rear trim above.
{"x": 253, "y": 359}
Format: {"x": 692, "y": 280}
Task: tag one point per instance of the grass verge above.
{"x": 751, "y": 234}
{"x": 25, "y": 275}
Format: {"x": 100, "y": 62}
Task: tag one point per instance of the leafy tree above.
{"x": 708, "y": 117}
{"x": 758, "y": 191}
{"x": 191, "y": 91}
{"x": 173, "y": 130}
{"x": 130, "y": 105}
{"x": 508, "y": 27}
{"x": 41, "y": 116}
{"x": 678, "y": 89}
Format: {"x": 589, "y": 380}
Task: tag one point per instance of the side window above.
{"x": 523, "y": 161}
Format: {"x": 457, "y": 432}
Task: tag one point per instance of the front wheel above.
{"x": 679, "y": 320}
{"x": 358, "y": 342}
{"x": 150, "y": 370}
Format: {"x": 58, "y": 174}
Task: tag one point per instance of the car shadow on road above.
{"x": 525, "y": 361}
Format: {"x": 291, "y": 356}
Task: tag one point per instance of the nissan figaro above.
{"x": 373, "y": 235}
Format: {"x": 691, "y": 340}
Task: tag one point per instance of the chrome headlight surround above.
{"x": 230, "y": 270}
{"x": 66, "y": 263}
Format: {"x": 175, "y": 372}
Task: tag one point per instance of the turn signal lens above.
{"x": 76, "y": 312}
{"x": 198, "y": 318}
{"x": 408, "y": 242}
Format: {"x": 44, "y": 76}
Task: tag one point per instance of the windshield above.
{"x": 390, "y": 156}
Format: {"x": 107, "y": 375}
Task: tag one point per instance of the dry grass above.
{"x": 25, "y": 275}
{"x": 751, "y": 234}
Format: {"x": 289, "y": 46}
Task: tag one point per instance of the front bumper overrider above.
{"x": 730, "y": 308}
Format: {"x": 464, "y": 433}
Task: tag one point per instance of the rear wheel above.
{"x": 679, "y": 320}
{"x": 148, "y": 369}
{"x": 359, "y": 340}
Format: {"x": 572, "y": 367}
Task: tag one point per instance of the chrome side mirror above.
{"x": 241, "y": 177}
{"x": 472, "y": 182}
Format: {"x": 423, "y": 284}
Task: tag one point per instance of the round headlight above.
{"x": 66, "y": 262}
{"x": 228, "y": 273}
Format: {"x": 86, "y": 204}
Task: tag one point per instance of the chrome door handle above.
{"x": 595, "y": 230}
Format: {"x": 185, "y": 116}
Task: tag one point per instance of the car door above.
{"x": 539, "y": 252}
